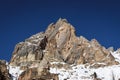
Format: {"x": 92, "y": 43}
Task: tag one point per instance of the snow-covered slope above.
{"x": 79, "y": 72}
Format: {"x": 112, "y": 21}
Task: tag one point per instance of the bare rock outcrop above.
{"x": 4, "y": 73}
{"x": 28, "y": 51}
{"x": 38, "y": 74}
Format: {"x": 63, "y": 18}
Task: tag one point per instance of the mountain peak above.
{"x": 59, "y": 43}
{"x": 62, "y": 20}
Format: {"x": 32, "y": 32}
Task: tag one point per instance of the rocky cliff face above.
{"x": 58, "y": 44}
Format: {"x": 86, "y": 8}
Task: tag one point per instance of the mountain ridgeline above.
{"x": 60, "y": 43}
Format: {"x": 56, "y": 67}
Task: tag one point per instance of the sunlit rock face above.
{"x": 58, "y": 43}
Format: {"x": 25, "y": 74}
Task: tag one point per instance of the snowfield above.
{"x": 79, "y": 72}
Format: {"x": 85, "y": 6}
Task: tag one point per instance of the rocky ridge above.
{"x": 40, "y": 56}
{"x": 60, "y": 43}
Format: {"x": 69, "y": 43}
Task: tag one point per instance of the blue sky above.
{"x": 19, "y": 19}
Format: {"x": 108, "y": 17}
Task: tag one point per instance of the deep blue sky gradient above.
{"x": 19, "y": 19}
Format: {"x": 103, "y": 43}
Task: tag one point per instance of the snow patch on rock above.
{"x": 15, "y": 72}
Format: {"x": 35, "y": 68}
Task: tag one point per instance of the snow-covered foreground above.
{"x": 15, "y": 72}
{"x": 79, "y": 72}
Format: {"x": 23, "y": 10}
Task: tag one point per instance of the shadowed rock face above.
{"x": 4, "y": 74}
{"x": 58, "y": 43}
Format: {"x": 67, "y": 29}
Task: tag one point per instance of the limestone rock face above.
{"x": 4, "y": 73}
{"x": 57, "y": 44}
